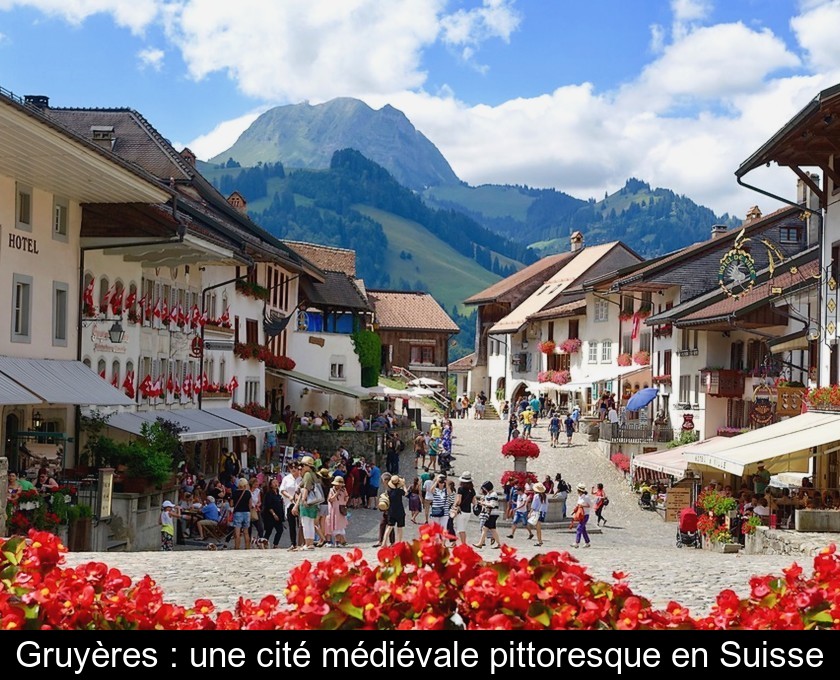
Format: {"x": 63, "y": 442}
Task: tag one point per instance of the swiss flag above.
{"x": 164, "y": 312}
{"x": 117, "y": 302}
{"x": 173, "y": 314}
{"x": 188, "y": 385}
{"x": 157, "y": 310}
{"x": 146, "y": 386}
{"x": 157, "y": 388}
{"x": 196, "y": 316}
{"x": 128, "y": 384}
{"x": 225, "y": 318}
{"x": 170, "y": 384}
{"x": 131, "y": 300}
{"x": 115, "y": 381}
{"x": 102, "y": 374}
{"x": 106, "y": 300}
{"x": 180, "y": 317}
{"x": 88, "y": 294}
{"x": 177, "y": 389}
{"x": 232, "y": 385}
{"x": 203, "y": 319}
{"x": 205, "y": 383}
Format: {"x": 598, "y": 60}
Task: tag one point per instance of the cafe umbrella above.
{"x": 642, "y": 398}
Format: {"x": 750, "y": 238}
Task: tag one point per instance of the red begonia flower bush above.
{"x": 521, "y": 448}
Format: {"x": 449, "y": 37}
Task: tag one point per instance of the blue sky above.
{"x": 575, "y": 95}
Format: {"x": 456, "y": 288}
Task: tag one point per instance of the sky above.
{"x": 574, "y": 95}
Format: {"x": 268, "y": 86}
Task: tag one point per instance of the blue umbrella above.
{"x": 642, "y": 398}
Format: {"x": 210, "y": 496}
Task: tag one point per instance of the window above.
{"x": 551, "y": 331}
{"x": 593, "y": 352}
{"x": 689, "y": 340}
{"x": 627, "y": 303}
{"x": 21, "y": 308}
{"x": 101, "y": 367}
{"x": 790, "y": 234}
{"x": 697, "y": 389}
{"x": 666, "y": 363}
{"x": 251, "y": 331}
{"x": 626, "y": 343}
{"x": 574, "y": 329}
{"x": 685, "y": 389}
{"x": 104, "y": 294}
{"x": 59, "y": 326}
{"x": 422, "y": 354}
{"x": 336, "y": 370}
{"x": 115, "y": 372}
{"x": 606, "y": 351}
{"x": 644, "y": 341}
{"x": 602, "y": 310}
{"x": 23, "y": 208}
{"x": 559, "y": 362}
{"x": 60, "y": 210}
{"x": 252, "y": 391}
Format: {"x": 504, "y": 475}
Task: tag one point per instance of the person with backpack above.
{"x": 601, "y": 501}
{"x": 554, "y": 429}
{"x": 570, "y": 429}
{"x": 561, "y": 492}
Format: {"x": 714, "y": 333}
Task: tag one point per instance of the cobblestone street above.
{"x": 634, "y": 541}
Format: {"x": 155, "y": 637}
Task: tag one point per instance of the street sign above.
{"x": 218, "y": 345}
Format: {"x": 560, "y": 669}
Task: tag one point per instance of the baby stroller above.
{"x": 445, "y": 462}
{"x": 646, "y": 501}
{"x": 687, "y": 534}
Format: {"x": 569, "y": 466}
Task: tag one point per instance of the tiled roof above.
{"x": 534, "y": 274}
{"x": 400, "y": 310}
{"x": 463, "y": 364}
{"x": 575, "y": 308}
{"x": 723, "y": 242}
{"x": 328, "y": 258}
{"x": 338, "y": 290}
{"x": 727, "y": 306}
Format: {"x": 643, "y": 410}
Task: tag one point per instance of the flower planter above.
{"x": 818, "y": 520}
{"x": 78, "y": 535}
{"x": 216, "y": 395}
{"x": 727, "y": 547}
{"x": 219, "y": 330}
{"x": 520, "y": 464}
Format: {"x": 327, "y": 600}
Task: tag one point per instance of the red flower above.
{"x": 521, "y": 448}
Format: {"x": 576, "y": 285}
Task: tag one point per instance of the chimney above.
{"x": 238, "y": 201}
{"x": 39, "y": 101}
{"x": 188, "y": 156}
{"x": 718, "y": 230}
{"x": 753, "y": 214}
{"x": 103, "y": 135}
{"x": 577, "y": 241}
{"x": 805, "y": 196}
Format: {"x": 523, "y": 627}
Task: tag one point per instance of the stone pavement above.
{"x": 634, "y": 541}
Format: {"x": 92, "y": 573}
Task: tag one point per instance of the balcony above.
{"x": 724, "y": 383}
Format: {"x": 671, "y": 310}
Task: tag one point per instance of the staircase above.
{"x": 490, "y": 412}
{"x": 438, "y": 397}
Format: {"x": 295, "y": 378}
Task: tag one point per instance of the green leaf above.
{"x": 333, "y": 621}
{"x": 351, "y": 610}
{"x": 539, "y": 613}
{"x": 339, "y": 586}
{"x": 824, "y": 616}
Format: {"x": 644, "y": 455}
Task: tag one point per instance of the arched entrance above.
{"x": 520, "y": 391}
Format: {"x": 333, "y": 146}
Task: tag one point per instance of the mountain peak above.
{"x": 306, "y": 136}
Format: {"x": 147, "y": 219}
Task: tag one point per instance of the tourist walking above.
{"x": 570, "y": 429}
{"x": 464, "y": 498}
{"x": 272, "y": 511}
{"x": 438, "y": 515}
{"x": 168, "y": 514}
{"x": 576, "y": 417}
{"x": 256, "y": 511}
{"x": 338, "y": 513}
{"x": 396, "y": 509}
{"x": 415, "y": 502}
{"x": 513, "y": 427}
{"x": 241, "y": 500}
{"x": 581, "y": 515}
{"x": 554, "y": 429}
{"x": 489, "y": 513}
{"x": 310, "y": 496}
{"x": 539, "y": 510}
{"x": 451, "y": 495}
{"x": 289, "y": 487}
{"x": 601, "y": 501}
{"x": 520, "y": 513}
{"x": 382, "y": 506}
{"x": 419, "y": 450}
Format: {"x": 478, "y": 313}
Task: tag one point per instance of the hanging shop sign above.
{"x": 761, "y": 412}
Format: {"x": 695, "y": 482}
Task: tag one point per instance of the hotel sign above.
{"x": 101, "y": 340}
{"x": 27, "y": 244}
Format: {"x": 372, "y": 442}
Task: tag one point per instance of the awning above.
{"x": 672, "y": 462}
{"x": 791, "y": 341}
{"x": 250, "y": 423}
{"x": 62, "y": 381}
{"x": 784, "y": 446}
{"x": 12, "y": 393}
{"x": 317, "y": 383}
{"x": 199, "y": 425}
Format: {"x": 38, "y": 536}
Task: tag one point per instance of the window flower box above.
{"x": 570, "y": 346}
{"x": 624, "y": 359}
{"x": 642, "y": 358}
{"x": 664, "y": 379}
{"x": 547, "y": 346}
{"x": 556, "y": 377}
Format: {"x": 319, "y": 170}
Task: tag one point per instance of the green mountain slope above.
{"x": 306, "y": 136}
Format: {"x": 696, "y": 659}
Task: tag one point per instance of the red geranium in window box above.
{"x": 521, "y": 448}
{"x": 547, "y": 346}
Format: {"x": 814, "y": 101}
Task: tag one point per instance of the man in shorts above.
{"x": 527, "y": 422}
{"x": 420, "y": 450}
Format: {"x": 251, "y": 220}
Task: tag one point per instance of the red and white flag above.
{"x": 180, "y": 317}
{"x": 157, "y": 388}
{"x": 232, "y": 385}
{"x": 188, "y": 384}
{"x": 146, "y": 386}
{"x": 117, "y": 302}
{"x": 128, "y": 384}
{"x": 164, "y": 312}
{"x": 157, "y": 311}
{"x": 106, "y": 300}
{"x": 102, "y": 374}
{"x": 88, "y": 296}
{"x": 170, "y": 384}
{"x": 177, "y": 389}
{"x": 173, "y": 314}
{"x": 205, "y": 383}
{"x": 131, "y": 300}
{"x": 196, "y": 316}
{"x": 225, "y": 318}
{"x": 636, "y": 322}
{"x": 115, "y": 381}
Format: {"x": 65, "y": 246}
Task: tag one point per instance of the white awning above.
{"x": 670, "y": 461}
{"x": 319, "y": 384}
{"x": 784, "y": 446}
{"x": 250, "y": 423}
{"x": 12, "y": 393}
{"x": 62, "y": 381}
{"x": 199, "y": 425}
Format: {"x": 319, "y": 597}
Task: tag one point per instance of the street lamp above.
{"x": 116, "y": 332}
{"x": 37, "y": 421}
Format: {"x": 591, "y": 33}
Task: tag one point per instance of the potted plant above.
{"x": 151, "y": 459}
{"x": 547, "y": 346}
{"x": 624, "y": 359}
{"x": 79, "y": 518}
{"x": 570, "y": 345}
{"x": 642, "y": 358}
{"x": 521, "y": 450}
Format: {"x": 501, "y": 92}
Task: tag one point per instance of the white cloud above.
{"x": 222, "y": 136}
{"x": 816, "y": 30}
{"x": 686, "y": 15}
{"x": 132, "y": 14}
{"x": 152, "y": 58}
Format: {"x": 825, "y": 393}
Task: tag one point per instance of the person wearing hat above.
{"x": 322, "y": 521}
{"x": 761, "y": 479}
{"x": 539, "y": 509}
{"x": 289, "y": 487}
{"x": 168, "y": 513}
{"x": 309, "y": 499}
{"x": 464, "y": 500}
{"x": 396, "y": 508}
{"x": 489, "y": 513}
{"x": 383, "y": 520}
{"x": 581, "y": 515}
{"x": 337, "y": 517}
{"x": 437, "y": 515}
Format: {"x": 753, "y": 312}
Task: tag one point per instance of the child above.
{"x": 168, "y": 514}
{"x": 415, "y": 503}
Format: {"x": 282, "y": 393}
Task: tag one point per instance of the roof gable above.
{"x": 405, "y": 310}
